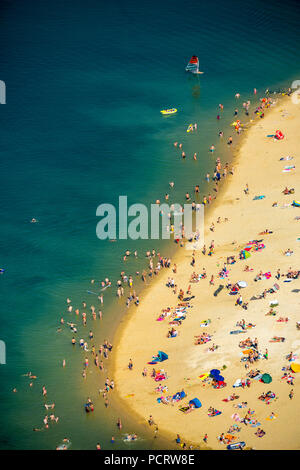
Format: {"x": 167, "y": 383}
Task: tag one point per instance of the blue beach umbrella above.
{"x": 220, "y": 378}
{"x": 214, "y": 372}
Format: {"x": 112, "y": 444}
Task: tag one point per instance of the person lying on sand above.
{"x": 288, "y": 191}
{"x": 213, "y": 347}
{"x": 277, "y": 339}
{"x": 260, "y": 432}
{"x": 248, "y": 343}
{"x": 241, "y": 405}
{"x": 271, "y": 312}
{"x": 234, "y": 428}
{"x": 247, "y": 269}
{"x": 212, "y": 411}
{"x": 231, "y": 398}
{"x": 267, "y": 396}
{"x": 253, "y": 373}
{"x": 202, "y": 339}
{"x": 293, "y": 274}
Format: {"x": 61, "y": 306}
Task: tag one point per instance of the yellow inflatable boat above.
{"x": 169, "y": 111}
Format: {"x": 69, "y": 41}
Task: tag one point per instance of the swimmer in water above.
{"x": 119, "y": 423}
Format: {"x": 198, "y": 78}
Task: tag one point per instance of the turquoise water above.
{"x": 85, "y": 82}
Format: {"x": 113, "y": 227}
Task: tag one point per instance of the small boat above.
{"x": 190, "y": 128}
{"x": 193, "y": 65}
{"x": 169, "y": 111}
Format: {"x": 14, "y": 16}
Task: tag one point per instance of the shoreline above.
{"x": 182, "y": 263}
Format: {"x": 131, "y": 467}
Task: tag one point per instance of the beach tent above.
{"x": 195, "y": 402}
{"x": 162, "y": 356}
{"x": 295, "y": 367}
{"x": 266, "y": 378}
{"x": 179, "y": 395}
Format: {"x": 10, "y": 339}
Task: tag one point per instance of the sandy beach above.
{"x": 259, "y": 165}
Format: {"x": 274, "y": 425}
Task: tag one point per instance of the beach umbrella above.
{"x": 266, "y": 378}
{"x": 242, "y": 284}
{"x": 220, "y": 378}
{"x": 295, "y": 367}
{"x": 214, "y": 372}
{"x": 247, "y": 351}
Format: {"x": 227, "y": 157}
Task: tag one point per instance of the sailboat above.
{"x": 193, "y": 65}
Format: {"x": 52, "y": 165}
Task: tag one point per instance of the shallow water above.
{"x": 85, "y": 84}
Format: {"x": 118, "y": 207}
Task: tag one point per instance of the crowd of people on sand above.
{"x": 98, "y": 355}
{"x": 176, "y": 315}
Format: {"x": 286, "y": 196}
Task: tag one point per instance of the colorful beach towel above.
{"x": 216, "y": 413}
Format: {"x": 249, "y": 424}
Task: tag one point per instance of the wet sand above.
{"x": 141, "y": 336}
